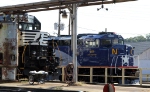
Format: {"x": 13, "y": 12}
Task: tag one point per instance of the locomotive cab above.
{"x": 34, "y": 52}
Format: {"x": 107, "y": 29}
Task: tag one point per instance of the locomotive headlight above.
{"x": 34, "y": 52}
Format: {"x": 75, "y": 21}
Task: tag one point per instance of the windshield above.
{"x": 117, "y": 41}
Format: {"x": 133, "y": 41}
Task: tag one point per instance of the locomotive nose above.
{"x": 129, "y": 50}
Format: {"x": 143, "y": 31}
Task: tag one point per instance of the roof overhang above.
{"x": 54, "y": 4}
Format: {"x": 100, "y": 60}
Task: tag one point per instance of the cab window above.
{"x": 106, "y": 42}
{"x": 97, "y": 42}
{"x": 120, "y": 41}
{"x": 93, "y": 43}
{"x": 115, "y": 41}
{"x": 79, "y": 42}
{"x": 27, "y": 27}
{"x": 64, "y": 42}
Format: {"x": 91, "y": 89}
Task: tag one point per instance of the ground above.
{"x": 82, "y": 87}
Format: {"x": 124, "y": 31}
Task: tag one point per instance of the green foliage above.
{"x": 148, "y": 37}
{"x": 138, "y": 38}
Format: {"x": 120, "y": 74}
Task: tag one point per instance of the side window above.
{"x": 94, "y": 43}
{"x": 37, "y": 27}
{"x": 64, "y": 42}
{"x": 86, "y": 43}
{"x": 67, "y": 42}
{"x": 121, "y": 41}
{"x": 97, "y": 42}
{"x": 106, "y": 42}
{"x": 79, "y": 42}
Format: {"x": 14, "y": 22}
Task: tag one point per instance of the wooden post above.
{"x": 123, "y": 75}
{"x": 147, "y": 77}
{"x": 106, "y": 75}
{"x": 91, "y": 74}
{"x": 63, "y": 74}
{"x": 140, "y": 76}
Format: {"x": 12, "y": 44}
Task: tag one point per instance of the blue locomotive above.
{"x": 105, "y": 49}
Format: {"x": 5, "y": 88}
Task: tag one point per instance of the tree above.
{"x": 148, "y": 37}
{"x": 136, "y": 39}
{"x": 140, "y": 38}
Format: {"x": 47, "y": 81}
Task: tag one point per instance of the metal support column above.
{"x": 75, "y": 42}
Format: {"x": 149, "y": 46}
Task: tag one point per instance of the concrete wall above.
{"x": 144, "y": 62}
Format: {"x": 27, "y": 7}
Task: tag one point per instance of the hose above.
{"x": 69, "y": 74}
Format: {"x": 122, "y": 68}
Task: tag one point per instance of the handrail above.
{"x": 122, "y": 60}
{"x": 59, "y": 51}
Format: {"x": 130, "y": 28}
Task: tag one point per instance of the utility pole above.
{"x": 59, "y": 22}
{"x": 69, "y": 24}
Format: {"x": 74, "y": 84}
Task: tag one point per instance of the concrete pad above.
{"x": 84, "y": 87}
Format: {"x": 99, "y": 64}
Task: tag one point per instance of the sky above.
{"x": 128, "y": 19}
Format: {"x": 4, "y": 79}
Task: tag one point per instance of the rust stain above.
{"x": 10, "y": 69}
{"x": 6, "y": 53}
{"x": 8, "y": 48}
{"x": 4, "y": 72}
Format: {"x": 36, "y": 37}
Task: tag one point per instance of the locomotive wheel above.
{"x": 31, "y": 79}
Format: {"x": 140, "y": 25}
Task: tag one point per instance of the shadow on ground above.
{"x": 19, "y": 89}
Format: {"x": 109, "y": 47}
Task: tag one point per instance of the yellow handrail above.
{"x": 23, "y": 53}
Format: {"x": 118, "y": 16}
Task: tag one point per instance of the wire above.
{"x": 87, "y": 29}
{"x": 117, "y": 32}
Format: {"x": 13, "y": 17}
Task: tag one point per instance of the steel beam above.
{"x": 54, "y": 4}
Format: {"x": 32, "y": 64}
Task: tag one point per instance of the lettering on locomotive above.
{"x": 91, "y": 51}
{"x": 114, "y": 51}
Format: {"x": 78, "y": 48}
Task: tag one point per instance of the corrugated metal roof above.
{"x": 140, "y": 47}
